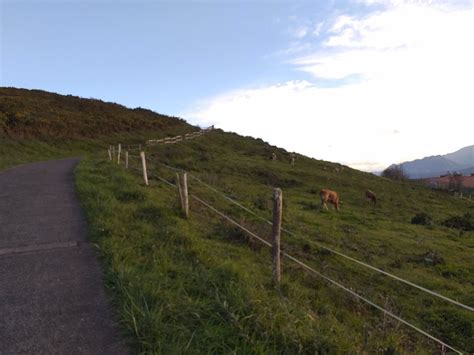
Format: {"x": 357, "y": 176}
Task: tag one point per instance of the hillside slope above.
{"x": 35, "y": 125}
{"x": 433, "y": 256}
{"x": 203, "y": 286}
{"x": 40, "y": 114}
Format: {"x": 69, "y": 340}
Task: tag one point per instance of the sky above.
{"x": 365, "y": 83}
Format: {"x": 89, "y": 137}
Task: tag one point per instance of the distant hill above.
{"x": 461, "y": 161}
{"x": 464, "y": 156}
{"x": 467, "y": 171}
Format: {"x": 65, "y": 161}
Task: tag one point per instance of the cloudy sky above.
{"x": 362, "y": 82}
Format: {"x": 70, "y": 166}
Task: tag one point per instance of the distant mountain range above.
{"x": 461, "y": 161}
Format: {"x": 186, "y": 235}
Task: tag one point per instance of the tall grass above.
{"x": 200, "y": 285}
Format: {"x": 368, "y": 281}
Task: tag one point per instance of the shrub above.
{"x": 421, "y": 218}
{"x": 395, "y": 172}
{"x": 430, "y": 258}
{"x": 465, "y": 222}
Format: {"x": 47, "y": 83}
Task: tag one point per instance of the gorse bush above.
{"x": 40, "y": 114}
{"x": 422, "y": 218}
{"x": 464, "y": 222}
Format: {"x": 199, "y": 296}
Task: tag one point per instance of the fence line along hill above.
{"x": 274, "y": 242}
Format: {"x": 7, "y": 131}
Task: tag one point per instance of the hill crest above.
{"x": 40, "y": 114}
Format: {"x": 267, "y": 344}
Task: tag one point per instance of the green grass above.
{"x": 15, "y": 151}
{"x": 306, "y": 314}
{"x": 200, "y": 286}
{"x": 381, "y": 236}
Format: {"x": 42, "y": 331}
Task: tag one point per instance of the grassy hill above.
{"x": 202, "y": 286}
{"x": 36, "y": 124}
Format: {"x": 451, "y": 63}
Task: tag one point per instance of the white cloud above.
{"x": 415, "y": 97}
{"x": 300, "y": 32}
{"x": 319, "y": 122}
{"x": 294, "y": 48}
{"x": 318, "y": 29}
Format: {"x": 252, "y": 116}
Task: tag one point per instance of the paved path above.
{"x": 52, "y": 299}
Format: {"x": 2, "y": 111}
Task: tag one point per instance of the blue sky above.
{"x": 162, "y": 55}
{"x": 376, "y": 74}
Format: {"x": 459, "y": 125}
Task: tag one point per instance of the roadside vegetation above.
{"x": 202, "y": 286}
{"x": 38, "y": 125}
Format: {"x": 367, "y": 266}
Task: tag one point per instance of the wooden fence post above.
{"x": 145, "y": 176}
{"x": 182, "y": 183}
{"x": 110, "y": 154}
{"x": 118, "y": 153}
{"x": 276, "y": 232}
{"x": 126, "y": 159}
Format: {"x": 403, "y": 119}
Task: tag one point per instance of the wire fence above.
{"x": 301, "y": 263}
{"x": 312, "y": 270}
{"x": 347, "y": 257}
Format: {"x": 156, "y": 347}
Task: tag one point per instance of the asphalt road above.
{"x": 52, "y": 298}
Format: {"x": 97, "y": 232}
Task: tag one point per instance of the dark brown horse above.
{"x": 371, "y": 196}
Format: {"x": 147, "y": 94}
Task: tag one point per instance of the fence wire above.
{"x": 314, "y": 271}
{"x": 302, "y": 264}
{"x": 373, "y": 268}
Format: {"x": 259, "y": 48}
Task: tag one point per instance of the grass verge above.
{"x": 200, "y": 286}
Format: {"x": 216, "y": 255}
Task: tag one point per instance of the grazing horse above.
{"x": 331, "y": 197}
{"x": 371, "y": 196}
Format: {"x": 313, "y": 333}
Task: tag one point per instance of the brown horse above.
{"x": 331, "y": 197}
